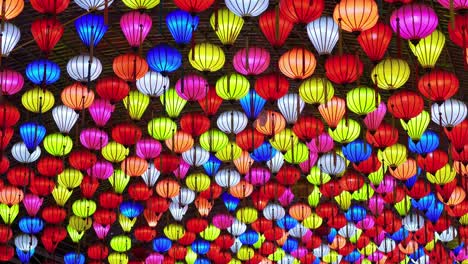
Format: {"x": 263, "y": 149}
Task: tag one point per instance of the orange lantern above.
{"x": 241, "y": 190}
{"x": 77, "y": 96}
{"x": 11, "y": 195}
{"x": 333, "y": 111}
{"x": 11, "y": 8}
{"x": 457, "y": 197}
{"x": 180, "y": 142}
{"x": 130, "y": 67}
{"x": 405, "y": 171}
{"x": 300, "y": 211}
{"x": 134, "y": 166}
{"x": 203, "y": 205}
{"x": 167, "y": 188}
{"x": 297, "y": 63}
{"x": 269, "y": 123}
{"x": 356, "y": 15}
{"x": 244, "y": 162}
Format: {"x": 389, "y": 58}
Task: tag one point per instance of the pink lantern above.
{"x": 101, "y": 111}
{"x": 258, "y": 176}
{"x": 93, "y": 138}
{"x": 101, "y": 170}
{"x": 251, "y": 61}
{"x": 414, "y": 21}
{"x": 457, "y": 4}
{"x": 375, "y": 118}
{"x": 366, "y": 223}
{"x": 309, "y": 163}
{"x": 32, "y": 203}
{"x": 376, "y": 204}
{"x": 154, "y": 258}
{"x": 135, "y": 25}
{"x": 101, "y": 230}
{"x": 286, "y": 198}
{"x": 376, "y": 256}
{"x": 148, "y": 148}
{"x": 192, "y": 87}
{"x": 223, "y": 221}
{"x": 321, "y": 144}
{"x": 387, "y": 185}
{"x": 11, "y": 81}
{"x": 182, "y": 170}
{"x": 300, "y": 252}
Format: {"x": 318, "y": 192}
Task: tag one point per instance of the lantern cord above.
{"x": 277, "y": 22}
{"x": 106, "y": 12}
{"x": 3, "y": 14}
{"x": 398, "y": 38}
{"x": 452, "y": 14}
{"x": 340, "y": 38}
{"x": 247, "y": 53}
{"x": 161, "y": 9}
{"x": 216, "y": 13}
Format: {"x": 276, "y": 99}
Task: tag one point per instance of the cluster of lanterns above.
{"x": 277, "y": 175}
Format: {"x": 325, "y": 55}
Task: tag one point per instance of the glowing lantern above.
{"x": 129, "y": 67}
{"x": 84, "y": 208}
{"x": 438, "y": 85}
{"x": 414, "y": 21}
{"x": 181, "y": 24}
{"x": 295, "y": 68}
{"x": 458, "y": 135}
{"x": 323, "y": 33}
{"x": 390, "y": 74}
{"x": 135, "y": 25}
{"x": 93, "y": 4}
{"x": 333, "y": 110}
{"x": 70, "y": 178}
{"x": 180, "y": 142}
{"x": 450, "y": 113}
{"x": 118, "y": 180}
{"x": 316, "y": 90}
{"x": 405, "y": 170}
{"x": 93, "y": 138}
{"x": 275, "y": 27}
{"x": 251, "y": 60}
{"x": 38, "y": 100}
{"x": 136, "y": 104}
{"x": 194, "y": 6}
{"x": 375, "y": 40}
{"x": 161, "y": 128}
{"x": 174, "y": 231}
{"x": 20, "y": 152}
{"x": 49, "y": 7}
{"x": 269, "y": 123}
{"x": 232, "y": 122}
{"x": 117, "y": 258}
{"x": 58, "y": 145}
{"x": 301, "y": 12}
{"x": 244, "y": 162}
{"x": 291, "y": 106}
{"x": 352, "y": 15}
{"x": 346, "y": 131}
{"x": 43, "y": 71}
{"x": 428, "y": 50}
{"x": 164, "y": 59}
{"x": 141, "y": 4}
{"x": 343, "y": 69}
{"x": 211, "y": 103}
{"x": 375, "y": 118}
{"x": 192, "y": 87}
{"x": 194, "y": 123}
{"x": 11, "y": 82}
{"x": 226, "y": 25}
{"x": 32, "y": 134}
{"x": 196, "y": 156}
{"x": 332, "y": 164}
{"x": 198, "y": 182}
{"x": 394, "y": 155}
{"x": 112, "y": 88}
{"x": 47, "y": 32}
{"x": 247, "y": 8}
{"x": 126, "y": 133}
{"x": 362, "y": 100}
{"x": 172, "y": 102}
{"x": 134, "y": 166}
{"x": 153, "y": 84}
{"x": 91, "y": 28}
{"x": 416, "y": 126}
{"x": 64, "y": 117}
{"x": 232, "y": 87}
{"x": 77, "y": 96}
{"x": 167, "y": 188}
{"x": 229, "y": 153}
{"x": 114, "y": 152}
{"x": 206, "y": 57}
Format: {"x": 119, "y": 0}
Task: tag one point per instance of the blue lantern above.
{"x": 252, "y": 104}
{"x": 353, "y": 256}
{"x": 164, "y": 59}
{"x": 290, "y": 245}
{"x": 263, "y": 153}
{"x": 417, "y": 254}
{"x": 202, "y": 261}
{"x": 230, "y": 201}
{"x": 287, "y": 222}
{"x": 424, "y": 203}
{"x": 161, "y": 244}
{"x": 400, "y": 235}
{"x": 249, "y": 237}
{"x": 91, "y": 28}
{"x": 411, "y": 181}
{"x": 131, "y": 209}
{"x": 200, "y": 246}
{"x": 181, "y": 24}
{"x": 32, "y": 134}
{"x": 428, "y": 142}
{"x": 435, "y": 211}
{"x": 331, "y": 236}
{"x": 43, "y": 72}
{"x": 24, "y": 256}
{"x": 74, "y": 258}
{"x": 212, "y": 165}
{"x": 356, "y": 213}
{"x": 31, "y": 225}
{"x": 357, "y": 151}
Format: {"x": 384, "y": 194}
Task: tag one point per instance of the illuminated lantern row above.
{"x": 160, "y": 163}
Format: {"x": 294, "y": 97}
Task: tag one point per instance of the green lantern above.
{"x": 172, "y": 102}
{"x": 114, "y": 152}
{"x": 57, "y": 144}
{"x": 121, "y": 243}
{"x": 84, "y": 208}
{"x": 136, "y": 104}
{"x": 362, "y": 100}
{"x": 346, "y": 131}
{"x": 213, "y": 140}
{"x": 232, "y": 86}
{"x": 162, "y": 128}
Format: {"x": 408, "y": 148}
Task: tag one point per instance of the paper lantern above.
{"x": 126, "y": 133}
{"x": 375, "y": 40}
{"x": 164, "y": 59}
{"x": 232, "y": 122}
{"x": 385, "y": 135}
{"x": 49, "y": 7}
{"x": 291, "y": 106}
{"x": 47, "y": 32}
{"x": 356, "y": 15}
{"x": 391, "y": 74}
{"x": 457, "y": 4}
{"x": 90, "y": 5}
{"x": 141, "y": 4}
{"x": 20, "y": 153}
{"x": 64, "y": 117}
{"x": 346, "y": 131}
{"x": 194, "y": 123}
{"x": 333, "y": 110}
{"x": 136, "y": 25}
{"x": 323, "y": 33}
{"x": 206, "y": 57}
{"x": 438, "y": 85}
{"x": 457, "y": 30}
{"x": 450, "y": 113}
{"x": 58, "y": 145}
{"x": 414, "y": 21}
{"x": 172, "y": 102}
{"x": 428, "y": 50}
{"x": 275, "y": 27}
{"x": 114, "y": 152}
{"x": 38, "y": 100}
{"x": 232, "y": 86}
{"x": 362, "y": 100}
{"x": 405, "y": 104}
{"x": 301, "y": 12}
{"x": 118, "y": 180}
{"x": 182, "y": 25}
{"x": 316, "y": 90}
{"x": 153, "y": 84}
{"x": 179, "y": 142}
{"x": 251, "y": 61}
{"x": 297, "y": 63}
{"x": 226, "y": 25}
{"x": 247, "y": 8}
{"x": 343, "y": 69}
{"x": 101, "y": 111}
{"x": 83, "y": 68}
{"x": 211, "y": 103}
{"x": 43, "y": 71}
{"x": 458, "y": 135}
{"x": 136, "y": 104}
{"x": 416, "y": 126}
{"x": 11, "y": 82}
{"x": 77, "y": 96}
{"x": 32, "y": 134}
{"x": 192, "y": 87}
{"x": 161, "y": 128}
{"x": 112, "y": 88}
{"x": 129, "y": 67}
{"x": 375, "y": 118}
{"x": 195, "y": 6}
{"x": 91, "y": 28}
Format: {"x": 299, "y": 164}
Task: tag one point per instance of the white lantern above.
{"x": 275, "y": 163}
{"x": 227, "y": 178}
{"x": 196, "y": 156}
{"x": 153, "y": 84}
{"x": 387, "y": 245}
{"x": 331, "y": 163}
{"x": 20, "y": 152}
{"x": 91, "y": 5}
{"x": 422, "y": 260}
{"x": 151, "y": 175}
{"x": 274, "y": 211}
{"x": 348, "y": 230}
{"x": 323, "y": 33}
{"x": 65, "y": 118}
{"x": 236, "y": 246}
{"x": 26, "y": 242}
{"x": 413, "y": 222}
{"x": 298, "y": 231}
{"x": 291, "y": 105}
{"x": 287, "y": 259}
{"x": 83, "y": 66}
{"x": 11, "y": 34}
{"x": 321, "y": 251}
{"x": 448, "y": 234}
{"x": 177, "y": 211}
{"x": 185, "y": 197}
{"x": 232, "y": 121}
{"x": 237, "y": 228}
{"x": 450, "y": 113}
{"x": 247, "y": 8}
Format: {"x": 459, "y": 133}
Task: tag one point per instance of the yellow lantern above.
{"x": 226, "y": 25}
{"x": 428, "y": 49}
{"x": 232, "y": 86}
{"x": 136, "y": 104}
{"x": 213, "y": 140}
{"x": 245, "y": 253}
{"x": 126, "y": 223}
{"x": 84, "y": 208}
{"x": 117, "y": 258}
{"x": 80, "y": 224}
{"x": 391, "y": 74}
{"x": 70, "y": 178}
{"x": 38, "y": 100}
{"x": 464, "y": 219}
{"x": 297, "y": 154}
{"x": 207, "y": 57}
{"x": 141, "y": 4}
{"x": 191, "y": 256}
{"x": 416, "y": 126}
{"x": 344, "y": 200}
{"x": 174, "y": 231}
{"x": 369, "y": 249}
{"x": 364, "y": 193}
{"x": 162, "y": 128}
{"x": 377, "y": 176}
{"x": 119, "y": 181}
{"x": 442, "y": 176}
{"x": 346, "y": 131}
{"x": 277, "y": 255}
{"x": 314, "y": 197}
{"x": 247, "y": 215}
{"x": 57, "y": 144}
{"x": 230, "y": 152}
{"x": 9, "y": 213}
{"x": 74, "y": 234}
{"x": 403, "y": 207}
{"x": 317, "y": 177}
{"x": 316, "y": 90}
{"x": 198, "y": 182}
{"x": 353, "y": 239}
{"x": 61, "y": 194}
{"x": 362, "y": 100}
{"x": 172, "y": 102}
{"x": 235, "y": 261}
{"x": 331, "y": 257}
{"x": 314, "y": 221}
{"x": 284, "y": 140}
{"x": 121, "y": 243}
{"x": 210, "y": 233}
{"x": 394, "y": 155}
{"x": 114, "y": 152}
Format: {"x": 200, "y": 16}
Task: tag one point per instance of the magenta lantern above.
{"x": 192, "y": 87}
{"x": 376, "y": 204}
{"x": 286, "y": 198}
{"x": 154, "y": 258}
{"x": 11, "y": 81}
{"x": 414, "y": 21}
{"x": 148, "y": 148}
{"x": 457, "y": 4}
{"x": 375, "y": 118}
{"x": 101, "y": 111}
{"x": 32, "y": 203}
{"x": 251, "y": 61}
{"x": 101, "y": 170}
{"x": 135, "y": 25}
{"x": 258, "y": 176}
{"x": 182, "y": 170}
{"x": 101, "y": 230}
{"x": 309, "y": 163}
{"x": 222, "y": 221}
{"x": 321, "y": 144}
{"x": 93, "y": 138}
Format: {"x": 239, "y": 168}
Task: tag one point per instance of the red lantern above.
{"x": 351, "y": 181}
{"x": 433, "y": 161}
{"x": 196, "y": 225}
{"x": 53, "y": 214}
{"x": 177, "y": 252}
{"x": 109, "y": 200}
{"x": 405, "y": 104}
{"x": 275, "y": 26}
{"x": 104, "y": 217}
{"x": 308, "y": 127}
{"x": 6, "y": 134}
{"x": 389, "y": 221}
{"x": 166, "y": 162}
{"x": 6, "y": 233}
{"x": 144, "y": 233}
{"x": 419, "y": 190}
{"x": 343, "y": 69}
{"x": 337, "y": 221}
{"x": 457, "y": 33}
{"x": 288, "y": 175}
{"x": 42, "y": 186}
{"x": 301, "y": 11}
{"x": 272, "y": 190}
{"x": 375, "y": 40}
{"x": 212, "y": 193}
{"x": 50, "y": 166}
{"x": 331, "y": 189}
{"x": 157, "y": 204}
{"x": 50, "y": 6}
{"x": 9, "y": 115}
{"x": 249, "y": 139}
{"x": 193, "y": 6}
{"x": 327, "y": 210}
{"x": 273, "y": 234}
{"x": 20, "y": 175}
{"x": 187, "y": 239}
{"x": 262, "y": 224}
{"x": 272, "y": 86}
{"x": 368, "y": 166}
{"x": 89, "y": 186}
{"x": 224, "y": 241}
{"x": 385, "y": 136}
{"x": 47, "y": 32}
{"x": 126, "y": 133}
{"x": 4, "y": 164}
{"x": 438, "y": 85}
{"x": 139, "y": 191}
{"x": 112, "y": 88}
{"x": 82, "y": 159}
{"x": 52, "y": 236}
{"x": 267, "y": 248}
{"x": 194, "y": 124}
{"x": 98, "y": 251}
{"x": 211, "y": 103}
{"x": 130, "y": 67}
{"x": 6, "y": 253}
{"x": 458, "y": 135}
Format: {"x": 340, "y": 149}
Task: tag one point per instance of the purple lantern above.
{"x": 223, "y": 221}
{"x": 414, "y": 21}
{"x": 192, "y": 87}
{"x": 251, "y": 61}
{"x": 93, "y": 138}
{"x": 309, "y": 163}
{"x": 101, "y": 170}
{"x": 258, "y": 176}
{"x": 457, "y": 4}
{"x": 32, "y": 203}
{"x": 182, "y": 170}
{"x": 135, "y": 25}
{"x": 101, "y": 111}
{"x": 11, "y": 81}
{"x": 375, "y": 118}
{"x": 148, "y": 148}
